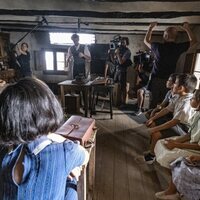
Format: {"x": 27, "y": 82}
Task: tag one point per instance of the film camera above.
{"x": 144, "y": 58}
{"x": 116, "y": 42}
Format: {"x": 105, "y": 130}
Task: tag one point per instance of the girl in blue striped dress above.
{"x": 34, "y": 163}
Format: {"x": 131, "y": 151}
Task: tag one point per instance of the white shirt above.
{"x": 86, "y": 52}
{"x": 195, "y": 128}
{"x": 182, "y": 109}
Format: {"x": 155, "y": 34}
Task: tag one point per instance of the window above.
{"x": 60, "y": 57}
{"x": 197, "y": 68}
{"x": 55, "y": 61}
{"x": 55, "y": 58}
{"x": 197, "y": 63}
{"x": 65, "y": 38}
{"x": 49, "y": 60}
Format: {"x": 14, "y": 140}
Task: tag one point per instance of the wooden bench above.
{"x": 83, "y": 130}
{"x": 86, "y": 183}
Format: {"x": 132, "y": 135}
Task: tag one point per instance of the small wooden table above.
{"x": 67, "y": 86}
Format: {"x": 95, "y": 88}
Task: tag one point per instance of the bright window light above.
{"x": 65, "y": 38}
{"x": 197, "y": 69}
{"x": 60, "y": 61}
{"x": 49, "y": 60}
{"x": 197, "y": 63}
{"x": 197, "y": 74}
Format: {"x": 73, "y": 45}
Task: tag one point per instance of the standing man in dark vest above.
{"x": 81, "y": 57}
{"x": 166, "y": 56}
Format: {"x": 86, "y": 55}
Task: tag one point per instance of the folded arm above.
{"x": 162, "y": 113}
{"x": 164, "y": 126}
{"x": 171, "y": 144}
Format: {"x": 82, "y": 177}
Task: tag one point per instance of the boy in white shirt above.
{"x": 184, "y": 86}
{"x": 175, "y": 148}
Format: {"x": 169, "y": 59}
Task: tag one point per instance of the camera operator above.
{"x": 123, "y": 61}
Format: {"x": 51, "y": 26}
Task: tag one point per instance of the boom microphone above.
{"x": 44, "y": 20}
{"x": 34, "y": 28}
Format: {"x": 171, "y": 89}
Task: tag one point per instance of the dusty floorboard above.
{"x": 120, "y": 172}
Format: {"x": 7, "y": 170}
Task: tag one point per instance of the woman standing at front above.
{"x": 23, "y": 58}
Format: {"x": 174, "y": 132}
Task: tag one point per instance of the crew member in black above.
{"x": 166, "y": 56}
{"x": 123, "y": 61}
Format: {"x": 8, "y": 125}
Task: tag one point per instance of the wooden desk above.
{"x": 86, "y": 183}
{"x": 67, "y": 86}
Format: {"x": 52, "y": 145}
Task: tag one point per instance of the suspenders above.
{"x": 50, "y": 139}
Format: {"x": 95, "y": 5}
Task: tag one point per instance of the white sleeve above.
{"x": 87, "y": 52}
{"x": 195, "y": 137}
{"x": 184, "y": 112}
{"x": 86, "y": 157}
{"x": 69, "y": 52}
{"x": 171, "y": 106}
{"x": 195, "y": 128}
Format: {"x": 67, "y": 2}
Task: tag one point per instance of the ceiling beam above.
{"x": 137, "y": 15}
{"x": 143, "y": 0}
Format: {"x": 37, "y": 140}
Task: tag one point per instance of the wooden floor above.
{"x": 121, "y": 174}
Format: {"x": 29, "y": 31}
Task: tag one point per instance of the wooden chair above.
{"x": 102, "y": 90}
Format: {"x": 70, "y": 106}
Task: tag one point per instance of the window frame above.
{"x": 195, "y": 59}
{"x": 194, "y": 70}
{"x": 190, "y": 64}
{"x": 55, "y": 71}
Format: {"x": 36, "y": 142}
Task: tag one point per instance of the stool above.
{"x": 72, "y": 103}
{"x": 98, "y": 90}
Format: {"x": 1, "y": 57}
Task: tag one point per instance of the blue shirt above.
{"x": 45, "y": 174}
